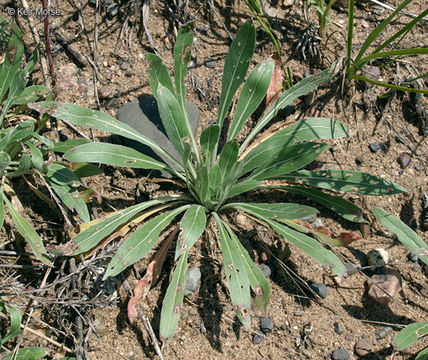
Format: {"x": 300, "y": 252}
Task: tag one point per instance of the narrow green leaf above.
{"x": 94, "y": 119}
{"x": 89, "y": 238}
{"x": 228, "y": 158}
{"x": 111, "y": 154}
{"x": 276, "y": 211}
{"x": 172, "y": 304}
{"x": 15, "y": 323}
{"x": 64, "y": 146}
{"x": 386, "y": 54}
{"x": 235, "y": 67}
{"x": 36, "y": 156}
{"x": 410, "y": 334}
{"x": 30, "y": 94}
{"x": 62, "y": 175}
{"x": 215, "y": 182}
{"x": 257, "y": 280}
{"x": 192, "y": 226}
{"x": 19, "y": 81}
{"x": 85, "y": 170}
{"x": 158, "y": 74}
{"x": 290, "y": 159}
{"x": 303, "y": 87}
{"x": 404, "y": 233}
{"x": 303, "y": 130}
{"x": 28, "y": 233}
{"x": 308, "y": 245}
{"x": 29, "y": 353}
{"x": 339, "y": 205}
{"x": 140, "y": 242}
{"x": 202, "y": 183}
{"x": 236, "y": 274}
{"x": 389, "y": 86}
{"x": 23, "y": 167}
{"x": 182, "y": 53}
{"x": 243, "y": 187}
{"x": 208, "y": 140}
{"x": 251, "y": 96}
{"x": 4, "y": 160}
{"x": 72, "y": 199}
{"x": 423, "y": 355}
{"x": 347, "y": 181}
{"x": 173, "y": 118}
{"x": 1, "y": 210}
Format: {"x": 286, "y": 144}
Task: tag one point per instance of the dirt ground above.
{"x": 208, "y": 327}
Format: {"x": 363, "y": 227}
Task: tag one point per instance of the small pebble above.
{"x": 404, "y": 160}
{"x": 340, "y": 354}
{"x": 351, "y": 269}
{"x": 112, "y": 11}
{"x": 124, "y": 66}
{"x": 383, "y": 333}
{"x": 384, "y": 287}
{"x": 416, "y": 267}
{"x": 359, "y": 160}
{"x": 258, "y": 337}
{"x": 363, "y": 347}
{"x": 210, "y": 63}
{"x": 338, "y": 328}
{"x": 319, "y": 288}
{"x": 265, "y": 270}
{"x": 375, "y": 147}
{"x": 413, "y": 257}
{"x": 265, "y": 324}
{"x": 192, "y": 279}
{"x": 377, "y": 257}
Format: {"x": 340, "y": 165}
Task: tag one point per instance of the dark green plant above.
{"x": 386, "y": 50}
{"x": 409, "y": 335}
{"x": 323, "y": 13}
{"x": 22, "y": 149}
{"x": 215, "y": 179}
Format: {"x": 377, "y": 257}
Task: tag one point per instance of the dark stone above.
{"x": 413, "y": 257}
{"x": 319, "y": 288}
{"x": 359, "y": 160}
{"x": 266, "y": 324}
{"x": 340, "y": 354}
{"x": 375, "y": 147}
{"x": 142, "y": 114}
{"x": 404, "y": 160}
{"x": 265, "y": 270}
{"x": 258, "y": 337}
{"x": 383, "y": 333}
{"x": 338, "y": 328}
{"x": 210, "y": 63}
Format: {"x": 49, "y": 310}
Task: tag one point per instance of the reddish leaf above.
{"x": 347, "y": 238}
{"x": 322, "y": 230}
{"x": 275, "y": 83}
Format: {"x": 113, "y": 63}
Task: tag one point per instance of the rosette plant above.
{"x": 214, "y": 179}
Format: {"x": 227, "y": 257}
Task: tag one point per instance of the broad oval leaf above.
{"x": 251, "y": 96}
{"x": 192, "y": 226}
{"x": 112, "y": 154}
{"x": 28, "y": 233}
{"x": 303, "y": 130}
{"x": 172, "y": 304}
{"x": 36, "y": 156}
{"x": 236, "y": 274}
{"x": 347, "y": 181}
{"x": 410, "y": 334}
{"x": 277, "y": 211}
{"x": 62, "y": 175}
{"x": 90, "y": 237}
{"x": 235, "y": 67}
{"x": 404, "y": 233}
{"x": 140, "y": 242}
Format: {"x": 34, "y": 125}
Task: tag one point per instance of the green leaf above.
{"x": 236, "y": 274}
{"x": 235, "y": 67}
{"x": 347, "y": 181}
{"x": 28, "y": 233}
{"x": 172, "y": 304}
{"x": 340, "y": 206}
{"x": 290, "y": 159}
{"x": 257, "y": 280}
{"x": 30, "y": 353}
{"x": 404, "y": 233}
{"x": 140, "y": 242}
{"x": 4, "y": 160}
{"x": 173, "y": 118}
{"x": 202, "y": 183}
{"x": 303, "y": 87}
{"x": 410, "y": 334}
{"x": 94, "y": 119}
{"x": 36, "y": 156}
{"x": 182, "y": 53}
{"x": 62, "y": 175}
{"x": 90, "y": 237}
{"x": 251, "y": 96}
{"x": 85, "y": 170}
{"x": 15, "y": 322}
{"x": 19, "y": 81}
{"x": 423, "y": 355}
{"x": 308, "y": 245}
{"x": 208, "y": 140}
{"x": 30, "y": 94}
{"x": 303, "y": 130}
{"x": 1, "y": 210}
{"x": 276, "y": 211}
{"x": 158, "y": 74}
{"x": 192, "y": 226}
{"x": 243, "y": 187}
{"x": 228, "y": 158}
{"x": 23, "y": 166}
{"x": 111, "y": 154}
{"x": 215, "y": 182}
{"x": 64, "y": 146}
{"x": 72, "y": 199}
